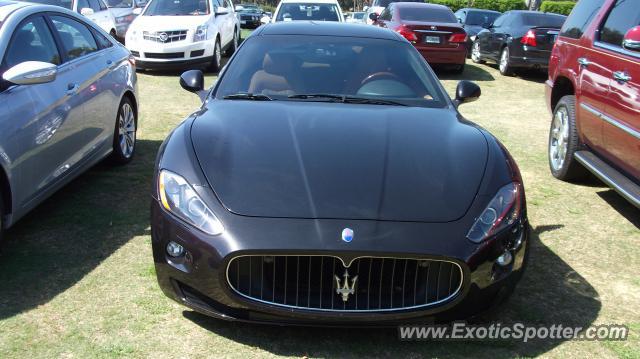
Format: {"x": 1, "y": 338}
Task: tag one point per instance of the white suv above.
{"x": 183, "y": 34}
{"x": 309, "y": 10}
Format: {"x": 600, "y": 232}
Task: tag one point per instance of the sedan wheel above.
{"x": 217, "y": 57}
{"x": 563, "y": 142}
{"x": 125, "y": 137}
{"x": 505, "y": 66}
{"x": 475, "y": 53}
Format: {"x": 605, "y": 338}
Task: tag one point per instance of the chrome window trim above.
{"x": 616, "y": 49}
{"x": 280, "y": 305}
{"x": 612, "y": 121}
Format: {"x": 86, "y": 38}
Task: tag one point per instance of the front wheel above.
{"x": 1, "y": 222}
{"x": 475, "y": 53}
{"x": 564, "y": 142}
{"x": 216, "y": 63}
{"x": 124, "y": 141}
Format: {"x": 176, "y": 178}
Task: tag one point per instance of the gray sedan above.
{"x": 68, "y": 99}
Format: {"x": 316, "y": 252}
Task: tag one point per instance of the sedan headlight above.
{"x": 503, "y": 210}
{"x": 201, "y": 33}
{"x": 124, "y": 19}
{"x": 178, "y": 197}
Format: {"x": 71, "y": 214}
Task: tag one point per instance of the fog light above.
{"x": 505, "y": 259}
{"x": 174, "y": 249}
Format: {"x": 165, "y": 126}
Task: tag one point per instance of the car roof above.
{"x": 7, "y": 7}
{"x": 419, "y": 4}
{"x": 326, "y": 28}
{"x": 480, "y": 10}
{"x": 309, "y": 1}
{"x": 517, "y": 12}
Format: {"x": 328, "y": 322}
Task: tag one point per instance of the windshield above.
{"x": 281, "y": 66}
{"x": 427, "y": 14}
{"x": 67, "y": 4}
{"x": 543, "y": 20}
{"x": 480, "y": 18}
{"x": 358, "y": 15}
{"x": 177, "y": 7}
{"x": 120, "y": 3}
{"x": 307, "y": 11}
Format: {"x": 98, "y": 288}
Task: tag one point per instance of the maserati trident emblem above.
{"x": 344, "y": 289}
{"x": 347, "y": 235}
{"x": 163, "y": 36}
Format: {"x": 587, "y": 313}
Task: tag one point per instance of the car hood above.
{"x": 166, "y": 23}
{"x": 339, "y": 161}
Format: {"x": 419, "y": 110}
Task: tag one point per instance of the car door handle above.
{"x": 621, "y": 76}
{"x": 72, "y": 89}
{"x": 582, "y": 61}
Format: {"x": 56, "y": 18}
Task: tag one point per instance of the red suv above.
{"x": 593, "y": 91}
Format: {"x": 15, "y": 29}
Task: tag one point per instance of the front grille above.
{"x": 165, "y": 36}
{"x": 309, "y": 282}
{"x": 167, "y": 55}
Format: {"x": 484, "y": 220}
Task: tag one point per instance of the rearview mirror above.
{"x": 466, "y": 92}
{"x": 86, "y": 11}
{"x": 373, "y": 16}
{"x": 631, "y": 39}
{"x": 31, "y": 73}
{"x": 193, "y": 81}
{"x": 137, "y": 11}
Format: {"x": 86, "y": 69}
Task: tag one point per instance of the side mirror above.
{"x": 31, "y": 73}
{"x": 631, "y": 39}
{"x": 466, "y": 92}
{"x": 365, "y": 8}
{"x": 137, "y": 11}
{"x": 373, "y": 17}
{"x": 86, "y": 11}
{"x": 193, "y": 81}
{"x": 221, "y": 11}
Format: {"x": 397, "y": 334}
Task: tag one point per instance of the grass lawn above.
{"x": 77, "y": 276}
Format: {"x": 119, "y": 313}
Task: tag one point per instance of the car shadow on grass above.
{"x": 471, "y": 73}
{"x": 72, "y": 232}
{"x": 624, "y": 207}
{"x": 550, "y": 292}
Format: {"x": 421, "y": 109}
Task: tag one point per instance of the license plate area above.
{"x": 432, "y": 39}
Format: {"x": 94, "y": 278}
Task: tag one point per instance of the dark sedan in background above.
{"x": 329, "y": 179}
{"x": 249, "y": 15}
{"x": 432, "y": 29}
{"x": 518, "y": 39}
{"x": 475, "y": 20}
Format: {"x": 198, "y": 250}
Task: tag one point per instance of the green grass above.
{"x": 77, "y": 277}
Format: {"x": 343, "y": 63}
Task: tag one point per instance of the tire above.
{"x": 1, "y": 223}
{"x": 233, "y": 46}
{"x": 564, "y": 142}
{"x": 124, "y": 139}
{"x": 476, "y": 57}
{"x": 216, "y": 63}
{"x": 504, "y": 65}
{"x": 113, "y": 34}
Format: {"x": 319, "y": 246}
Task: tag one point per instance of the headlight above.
{"x": 503, "y": 210}
{"x": 201, "y": 33}
{"x": 472, "y": 37}
{"x": 179, "y": 198}
{"x": 124, "y": 19}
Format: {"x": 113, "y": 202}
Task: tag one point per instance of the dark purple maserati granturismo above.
{"x": 328, "y": 179}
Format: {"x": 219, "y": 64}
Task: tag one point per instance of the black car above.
{"x": 475, "y": 20}
{"x": 328, "y": 179}
{"x": 518, "y": 39}
{"x": 249, "y": 16}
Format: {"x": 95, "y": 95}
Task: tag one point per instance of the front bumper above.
{"x": 199, "y": 281}
{"x": 250, "y": 24}
{"x": 180, "y": 54}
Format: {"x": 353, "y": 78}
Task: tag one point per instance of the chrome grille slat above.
{"x": 383, "y": 284}
{"x": 171, "y": 36}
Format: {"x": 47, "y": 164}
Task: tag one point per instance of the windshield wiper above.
{"x": 248, "y": 96}
{"x": 347, "y": 99}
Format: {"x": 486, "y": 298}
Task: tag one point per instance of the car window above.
{"x": 83, "y": 4}
{"x": 177, "y": 8}
{"x": 103, "y": 5}
{"x": 32, "y": 41}
{"x": 77, "y": 39}
{"x": 120, "y": 3}
{"x": 95, "y": 5}
{"x": 385, "y": 15}
{"x": 500, "y": 21}
{"x": 542, "y": 20}
{"x": 229, "y": 6}
{"x": 308, "y": 11}
{"x": 67, "y": 4}
{"x": 280, "y": 66}
{"x": 623, "y": 16}
{"x": 102, "y": 41}
{"x": 426, "y": 14}
{"x": 580, "y": 18}
{"x": 480, "y": 18}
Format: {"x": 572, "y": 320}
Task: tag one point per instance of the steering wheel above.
{"x": 383, "y": 75}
